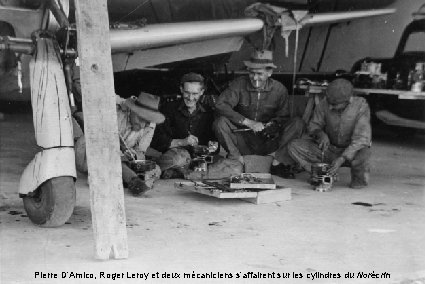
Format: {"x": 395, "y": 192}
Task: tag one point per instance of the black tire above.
{"x": 52, "y": 204}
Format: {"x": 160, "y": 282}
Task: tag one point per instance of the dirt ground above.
{"x": 176, "y": 232}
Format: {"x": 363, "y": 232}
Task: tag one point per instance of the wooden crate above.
{"x": 260, "y": 197}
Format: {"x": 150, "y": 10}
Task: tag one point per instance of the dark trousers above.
{"x": 306, "y": 151}
{"x": 249, "y": 143}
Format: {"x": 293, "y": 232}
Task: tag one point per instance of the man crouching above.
{"x": 137, "y": 118}
{"x": 341, "y": 130}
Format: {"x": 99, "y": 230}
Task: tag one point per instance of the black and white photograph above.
{"x": 212, "y": 141}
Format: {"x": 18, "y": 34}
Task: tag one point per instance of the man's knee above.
{"x": 293, "y": 130}
{"x": 361, "y": 158}
{"x": 294, "y": 146}
{"x": 298, "y": 122}
{"x": 221, "y": 124}
{"x": 127, "y": 173}
{"x": 80, "y": 154}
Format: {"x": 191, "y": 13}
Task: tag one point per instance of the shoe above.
{"x": 282, "y": 171}
{"x": 137, "y": 186}
{"x": 297, "y": 169}
{"x": 358, "y": 185}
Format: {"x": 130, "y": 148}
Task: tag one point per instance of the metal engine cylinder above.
{"x": 320, "y": 179}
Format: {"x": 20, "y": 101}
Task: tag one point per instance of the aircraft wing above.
{"x": 327, "y": 18}
{"x": 158, "y": 35}
{"x": 169, "y": 42}
{"x": 162, "y": 43}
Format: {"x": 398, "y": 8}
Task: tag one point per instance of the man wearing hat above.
{"x": 255, "y": 117}
{"x": 137, "y": 118}
{"x": 341, "y": 132}
{"x": 188, "y": 123}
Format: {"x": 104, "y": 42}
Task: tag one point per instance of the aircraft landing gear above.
{"x": 47, "y": 183}
{"x": 52, "y": 203}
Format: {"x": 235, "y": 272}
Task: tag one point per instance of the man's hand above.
{"x": 191, "y": 140}
{"x": 271, "y": 130}
{"x": 323, "y": 141}
{"x": 335, "y": 165}
{"x": 130, "y": 154}
{"x": 254, "y": 125}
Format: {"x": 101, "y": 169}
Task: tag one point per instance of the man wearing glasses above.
{"x": 188, "y": 123}
{"x": 341, "y": 132}
{"x": 255, "y": 116}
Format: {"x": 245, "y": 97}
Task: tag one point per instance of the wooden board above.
{"x": 101, "y": 130}
{"x": 269, "y": 196}
{"x": 261, "y": 197}
{"x": 266, "y": 182}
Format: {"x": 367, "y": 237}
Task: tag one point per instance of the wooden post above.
{"x": 101, "y": 130}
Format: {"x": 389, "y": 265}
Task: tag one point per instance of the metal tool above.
{"x": 125, "y": 149}
{"x": 241, "y": 130}
{"x": 218, "y": 185}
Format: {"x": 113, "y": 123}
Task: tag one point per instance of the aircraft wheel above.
{"x": 52, "y": 204}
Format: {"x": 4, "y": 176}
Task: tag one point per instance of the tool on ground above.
{"x": 245, "y": 178}
{"x": 218, "y": 185}
{"x": 320, "y": 179}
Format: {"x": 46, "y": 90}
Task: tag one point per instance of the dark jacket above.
{"x": 180, "y": 123}
{"x": 241, "y": 100}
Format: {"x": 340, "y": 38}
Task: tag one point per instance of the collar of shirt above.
{"x": 184, "y": 110}
{"x": 251, "y": 88}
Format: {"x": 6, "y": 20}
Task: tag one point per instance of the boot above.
{"x": 359, "y": 179}
{"x": 137, "y": 186}
{"x": 283, "y": 171}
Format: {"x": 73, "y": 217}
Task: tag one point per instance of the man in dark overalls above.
{"x": 260, "y": 105}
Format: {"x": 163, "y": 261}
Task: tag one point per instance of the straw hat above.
{"x": 146, "y": 107}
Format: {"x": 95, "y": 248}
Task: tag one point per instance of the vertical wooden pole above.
{"x": 101, "y": 130}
